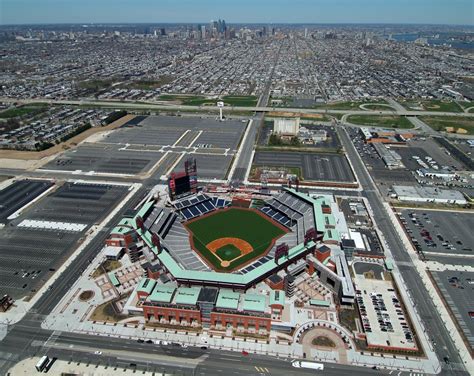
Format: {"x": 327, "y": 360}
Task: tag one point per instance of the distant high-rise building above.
{"x": 203, "y": 32}
{"x": 162, "y": 31}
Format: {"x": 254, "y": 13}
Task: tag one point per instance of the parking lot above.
{"x": 139, "y": 145}
{"x": 167, "y": 130}
{"x": 28, "y": 256}
{"x": 374, "y": 248}
{"x": 439, "y": 231}
{"x": 313, "y": 166}
{"x": 381, "y": 312}
{"x": 208, "y": 166}
{"x": 104, "y": 159}
{"x": 20, "y": 193}
{"x": 376, "y": 165}
{"x": 457, "y": 289}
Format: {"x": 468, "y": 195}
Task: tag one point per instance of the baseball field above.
{"x": 229, "y": 238}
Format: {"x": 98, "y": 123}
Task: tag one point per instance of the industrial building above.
{"x": 428, "y": 194}
{"x": 286, "y": 127}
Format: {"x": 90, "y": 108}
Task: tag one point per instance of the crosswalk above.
{"x": 404, "y": 373}
{"x": 262, "y": 370}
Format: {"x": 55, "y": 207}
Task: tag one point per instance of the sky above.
{"x": 460, "y": 12}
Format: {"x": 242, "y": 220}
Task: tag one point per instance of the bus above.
{"x": 311, "y": 365}
{"x": 42, "y": 363}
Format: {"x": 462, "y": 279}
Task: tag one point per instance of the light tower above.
{"x": 220, "y": 104}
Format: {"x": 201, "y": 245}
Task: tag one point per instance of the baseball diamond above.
{"x": 229, "y": 238}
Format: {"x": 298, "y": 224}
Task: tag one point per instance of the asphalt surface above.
{"x": 104, "y": 158}
{"x": 458, "y": 289}
{"x": 208, "y": 166}
{"x": 313, "y": 166}
{"x": 28, "y": 256}
{"x": 18, "y": 194}
{"x": 433, "y": 323}
{"x": 451, "y": 234}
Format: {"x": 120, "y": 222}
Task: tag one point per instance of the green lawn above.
{"x": 236, "y": 223}
{"x": 199, "y": 100}
{"x": 20, "y": 111}
{"x": 432, "y": 105}
{"x": 386, "y": 121}
{"x": 378, "y": 107}
{"x": 346, "y": 105}
{"x": 440, "y": 123}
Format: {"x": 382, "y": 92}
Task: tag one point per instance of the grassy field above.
{"x": 347, "y": 105}
{"x": 440, "y": 123}
{"x": 199, "y": 100}
{"x": 235, "y": 223}
{"x": 386, "y": 121}
{"x": 433, "y": 105}
{"x": 21, "y": 111}
{"x": 378, "y": 107}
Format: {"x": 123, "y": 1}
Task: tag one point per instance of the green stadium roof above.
{"x": 228, "y": 299}
{"x": 144, "y": 209}
{"x": 254, "y": 303}
{"x": 277, "y": 297}
{"x": 146, "y": 285}
{"x": 122, "y": 228}
{"x": 187, "y": 295}
{"x": 162, "y": 294}
{"x": 113, "y": 279}
{"x": 319, "y": 302}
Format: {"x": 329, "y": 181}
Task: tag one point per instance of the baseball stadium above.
{"x": 230, "y": 238}
{"x": 209, "y": 240}
{"x": 227, "y": 238}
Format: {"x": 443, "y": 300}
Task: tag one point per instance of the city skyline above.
{"x": 459, "y": 12}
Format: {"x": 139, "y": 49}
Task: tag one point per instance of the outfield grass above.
{"x": 386, "y": 121}
{"x": 440, "y": 123}
{"x": 236, "y": 223}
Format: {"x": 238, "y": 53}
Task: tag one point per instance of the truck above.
{"x": 305, "y": 364}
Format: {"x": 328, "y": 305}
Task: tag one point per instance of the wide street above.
{"x": 443, "y": 344}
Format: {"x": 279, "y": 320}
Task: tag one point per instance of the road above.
{"x": 259, "y": 108}
{"x": 443, "y": 345}
{"x": 245, "y": 152}
{"x": 127, "y": 353}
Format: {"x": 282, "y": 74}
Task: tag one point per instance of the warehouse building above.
{"x": 428, "y": 194}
